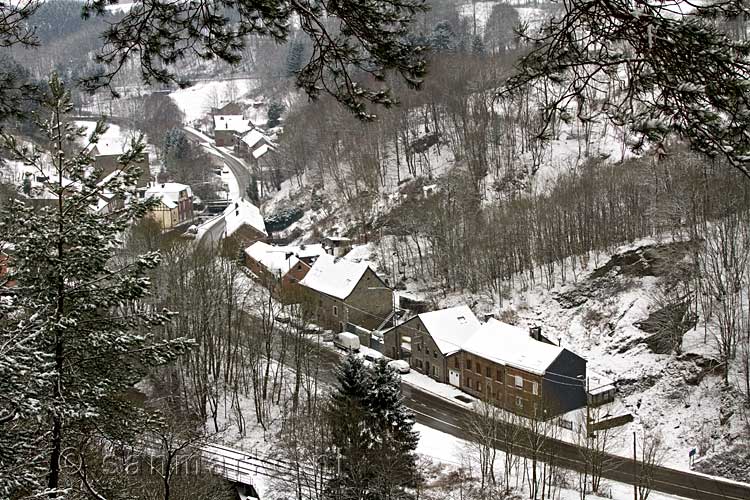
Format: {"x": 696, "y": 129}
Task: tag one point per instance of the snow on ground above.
{"x": 197, "y": 100}
{"x": 445, "y": 391}
{"x": 115, "y": 134}
{"x": 228, "y": 177}
{"x": 533, "y": 16}
{"x": 120, "y": 7}
{"x": 449, "y": 453}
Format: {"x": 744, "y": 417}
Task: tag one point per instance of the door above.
{"x": 454, "y": 377}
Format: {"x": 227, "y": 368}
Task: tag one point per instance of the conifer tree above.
{"x": 392, "y": 432}
{"x": 347, "y": 415}
{"x": 79, "y": 332}
{"x": 372, "y": 433}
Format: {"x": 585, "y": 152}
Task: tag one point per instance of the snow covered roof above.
{"x": 598, "y": 383}
{"x": 261, "y": 151}
{"x": 168, "y": 192}
{"x": 235, "y": 123}
{"x": 510, "y": 345}
{"x": 277, "y": 259}
{"x": 449, "y": 328}
{"x": 253, "y": 137}
{"x": 240, "y": 213}
{"x": 107, "y": 148}
{"x": 336, "y": 278}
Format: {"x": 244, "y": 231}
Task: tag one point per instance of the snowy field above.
{"x": 197, "y": 100}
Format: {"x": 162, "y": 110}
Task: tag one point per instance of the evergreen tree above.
{"x": 477, "y": 46}
{"x": 79, "y": 332}
{"x": 176, "y": 148}
{"x": 372, "y": 433}
{"x": 443, "y": 38}
{"x": 294, "y": 57}
{"x": 347, "y": 418}
{"x": 394, "y": 438}
{"x": 275, "y": 110}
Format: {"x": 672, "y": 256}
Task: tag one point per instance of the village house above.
{"x": 254, "y": 144}
{"x": 175, "y": 204}
{"x": 230, "y": 108}
{"x": 226, "y": 127}
{"x": 339, "y": 293}
{"x": 281, "y": 268}
{"x": 338, "y": 246}
{"x": 504, "y": 365}
{"x": 106, "y": 157}
{"x": 429, "y": 341}
{"x": 240, "y": 220}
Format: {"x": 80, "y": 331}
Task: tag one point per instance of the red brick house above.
{"x": 503, "y": 364}
{"x": 281, "y": 268}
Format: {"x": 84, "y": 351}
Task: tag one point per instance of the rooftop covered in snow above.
{"x": 333, "y": 277}
{"x": 451, "y": 327}
{"x": 168, "y": 192}
{"x": 510, "y": 345}
{"x": 278, "y": 258}
{"x": 234, "y": 123}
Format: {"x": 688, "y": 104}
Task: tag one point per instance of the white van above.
{"x": 347, "y": 341}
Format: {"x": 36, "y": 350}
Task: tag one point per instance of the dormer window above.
{"x": 462, "y": 320}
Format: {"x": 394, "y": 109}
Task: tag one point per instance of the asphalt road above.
{"x": 238, "y": 168}
{"x": 452, "y": 418}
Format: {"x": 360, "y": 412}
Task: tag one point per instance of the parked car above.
{"x": 372, "y": 355}
{"x": 347, "y": 341}
{"x": 399, "y": 366}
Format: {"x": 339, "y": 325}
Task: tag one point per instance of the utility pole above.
{"x": 635, "y": 470}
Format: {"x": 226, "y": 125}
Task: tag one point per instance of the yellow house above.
{"x": 175, "y": 204}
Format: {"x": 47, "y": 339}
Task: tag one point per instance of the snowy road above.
{"x": 239, "y": 171}
{"x": 437, "y": 412}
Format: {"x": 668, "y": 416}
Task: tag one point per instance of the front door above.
{"x": 454, "y": 377}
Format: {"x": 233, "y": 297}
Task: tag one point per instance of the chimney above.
{"x": 535, "y": 332}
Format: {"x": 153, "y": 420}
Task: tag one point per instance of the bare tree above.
{"x": 650, "y": 453}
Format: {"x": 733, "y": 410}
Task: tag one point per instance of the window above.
{"x": 479, "y": 369}
{"x": 335, "y": 311}
{"x": 434, "y": 354}
{"x": 519, "y": 402}
{"x": 468, "y": 382}
{"x": 468, "y": 364}
{"x": 535, "y": 388}
{"x": 427, "y": 350}
{"x": 519, "y": 381}
{"x": 499, "y": 375}
{"x": 488, "y": 372}
{"x": 456, "y": 363}
{"x": 479, "y": 386}
{"x": 435, "y": 372}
